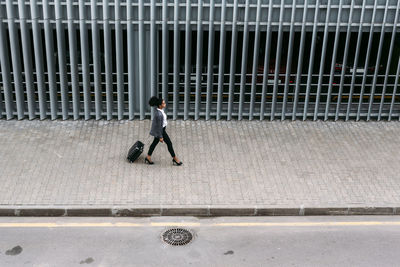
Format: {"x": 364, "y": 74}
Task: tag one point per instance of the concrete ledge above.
{"x": 396, "y": 211}
{"x": 42, "y": 212}
{"x": 7, "y": 212}
{"x": 325, "y": 211}
{"x": 219, "y": 211}
{"x": 198, "y": 211}
{"x": 185, "y": 211}
{"x": 279, "y": 212}
{"x": 139, "y": 212}
{"x": 372, "y": 211}
{"x": 89, "y": 212}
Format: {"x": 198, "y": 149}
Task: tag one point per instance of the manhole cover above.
{"x": 177, "y": 236}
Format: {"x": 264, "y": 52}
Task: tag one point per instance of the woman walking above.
{"x": 158, "y": 131}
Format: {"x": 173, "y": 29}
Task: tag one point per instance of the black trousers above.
{"x": 166, "y": 140}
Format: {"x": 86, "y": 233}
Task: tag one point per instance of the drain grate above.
{"x": 177, "y": 236}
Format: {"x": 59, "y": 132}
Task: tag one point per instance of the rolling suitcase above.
{"x": 135, "y": 151}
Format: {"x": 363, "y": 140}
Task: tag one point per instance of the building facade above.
{"x": 212, "y": 59}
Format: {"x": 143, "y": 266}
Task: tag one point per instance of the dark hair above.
{"x": 155, "y": 101}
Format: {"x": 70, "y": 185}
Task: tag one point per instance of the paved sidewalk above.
{"x": 227, "y": 164}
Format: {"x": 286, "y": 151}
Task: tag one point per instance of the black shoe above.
{"x": 148, "y": 161}
{"x": 176, "y": 163}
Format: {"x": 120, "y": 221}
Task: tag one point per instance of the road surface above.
{"x": 226, "y": 241}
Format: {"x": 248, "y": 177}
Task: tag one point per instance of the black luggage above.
{"x": 135, "y": 151}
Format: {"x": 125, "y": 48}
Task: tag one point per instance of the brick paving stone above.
{"x": 235, "y": 163}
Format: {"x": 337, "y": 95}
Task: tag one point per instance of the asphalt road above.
{"x": 234, "y": 241}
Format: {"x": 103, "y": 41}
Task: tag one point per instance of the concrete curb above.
{"x": 198, "y": 211}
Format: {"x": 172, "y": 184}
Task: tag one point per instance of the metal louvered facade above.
{"x": 214, "y": 59}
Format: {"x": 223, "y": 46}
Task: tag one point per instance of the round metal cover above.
{"x": 177, "y": 236}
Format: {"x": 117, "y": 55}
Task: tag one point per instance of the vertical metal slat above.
{"x": 37, "y": 43}
{"x": 131, "y": 88}
{"x": 244, "y": 60}
{"x": 165, "y": 40}
{"x": 355, "y": 61}
{"x": 371, "y": 33}
{"x": 311, "y": 63}
{"x": 26, "y": 51}
{"x": 119, "y": 60}
{"x": 390, "y": 57}
{"x": 153, "y": 85}
{"x": 233, "y": 60}
{"x": 6, "y": 73}
{"x": 15, "y": 57}
{"x": 142, "y": 83}
{"x": 176, "y": 60}
{"x": 48, "y": 34}
{"x": 335, "y": 48}
{"x": 199, "y": 58}
{"x": 266, "y": 65}
{"x": 289, "y": 61}
{"x": 277, "y": 61}
{"x": 210, "y": 64}
{"x": 396, "y": 84}
{"x": 73, "y": 59}
{"x": 61, "y": 52}
{"x": 84, "y": 58}
{"x": 221, "y": 72}
{"x": 322, "y": 64}
{"x": 107, "y": 58}
{"x": 187, "y": 60}
{"x": 96, "y": 59}
{"x": 255, "y": 60}
{"x": 300, "y": 60}
{"x": 344, "y": 62}
{"x": 378, "y": 59}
